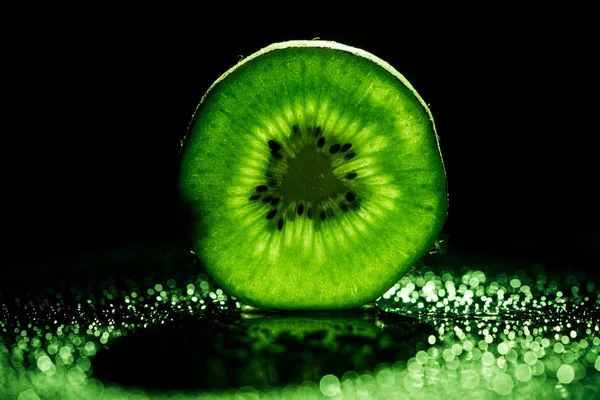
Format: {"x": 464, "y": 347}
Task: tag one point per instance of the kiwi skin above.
{"x": 196, "y": 214}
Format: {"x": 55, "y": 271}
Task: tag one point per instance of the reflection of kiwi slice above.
{"x": 313, "y": 176}
{"x": 326, "y": 329}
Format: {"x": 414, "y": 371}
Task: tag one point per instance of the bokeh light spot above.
{"x": 412, "y": 383}
{"x": 502, "y": 384}
{"x": 28, "y": 395}
{"x": 330, "y": 385}
{"x": 523, "y": 372}
{"x": 565, "y": 373}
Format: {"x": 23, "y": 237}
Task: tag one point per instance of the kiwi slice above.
{"x": 313, "y": 177}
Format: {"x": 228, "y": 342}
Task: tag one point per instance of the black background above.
{"x": 100, "y": 103}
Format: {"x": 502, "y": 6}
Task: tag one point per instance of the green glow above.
{"x": 535, "y": 344}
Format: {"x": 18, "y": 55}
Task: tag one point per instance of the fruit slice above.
{"x": 313, "y": 177}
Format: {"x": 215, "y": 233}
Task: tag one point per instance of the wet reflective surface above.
{"x": 452, "y": 327}
{"x": 262, "y": 352}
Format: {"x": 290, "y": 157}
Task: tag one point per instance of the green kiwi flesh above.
{"x": 313, "y": 177}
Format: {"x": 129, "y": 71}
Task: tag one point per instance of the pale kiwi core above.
{"x": 313, "y": 177}
{"x": 310, "y": 178}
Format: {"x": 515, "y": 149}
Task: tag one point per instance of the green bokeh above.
{"x": 445, "y": 329}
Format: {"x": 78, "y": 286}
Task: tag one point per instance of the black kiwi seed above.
{"x": 273, "y": 145}
{"x": 309, "y": 213}
{"x": 346, "y": 147}
{"x": 262, "y": 188}
{"x": 300, "y": 209}
{"x": 268, "y": 199}
{"x": 349, "y": 156}
{"x": 350, "y": 197}
{"x": 275, "y": 201}
{"x": 272, "y": 183}
{"x": 271, "y": 214}
{"x": 318, "y": 131}
{"x": 321, "y": 142}
{"x": 351, "y": 175}
{"x": 280, "y": 224}
{"x": 334, "y": 149}
{"x": 344, "y": 208}
{"x": 255, "y": 197}
{"x": 276, "y": 154}
{"x": 322, "y": 215}
{"x": 296, "y": 129}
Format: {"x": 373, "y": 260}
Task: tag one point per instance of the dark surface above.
{"x": 100, "y": 106}
{"x": 196, "y": 353}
